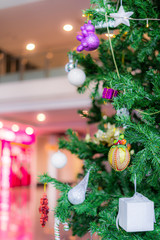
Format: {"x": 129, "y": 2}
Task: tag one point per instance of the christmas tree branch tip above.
{"x": 45, "y": 178}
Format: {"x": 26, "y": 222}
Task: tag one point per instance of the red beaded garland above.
{"x": 44, "y": 210}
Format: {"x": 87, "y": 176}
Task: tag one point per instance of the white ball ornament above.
{"x": 59, "y": 159}
{"x": 76, "y": 77}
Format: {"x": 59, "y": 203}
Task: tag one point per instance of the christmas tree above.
{"x": 130, "y": 64}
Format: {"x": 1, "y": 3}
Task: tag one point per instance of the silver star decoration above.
{"x": 121, "y": 17}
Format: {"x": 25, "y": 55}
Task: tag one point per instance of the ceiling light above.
{"x": 41, "y": 117}
{"x": 1, "y": 125}
{"x": 29, "y": 130}
{"x": 15, "y": 128}
{"x": 67, "y": 27}
{"x": 30, "y": 46}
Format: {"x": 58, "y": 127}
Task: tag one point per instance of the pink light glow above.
{"x": 15, "y": 128}
{"x": 18, "y": 137}
{"x": 6, "y": 165}
{"x": 1, "y": 124}
{"x": 7, "y": 135}
{"x": 29, "y": 131}
{"x": 22, "y": 137}
{"x": 15, "y": 158}
{"x": 16, "y": 221}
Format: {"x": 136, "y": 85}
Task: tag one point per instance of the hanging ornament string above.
{"x": 110, "y": 42}
{"x": 117, "y": 5}
{"x": 45, "y": 184}
{"x": 145, "y": 19}
{"x": 88, "y": 18}
{"x": 138, "y": 19}
{"x": 135, "y": 184}
{"x": 147, "y": 113}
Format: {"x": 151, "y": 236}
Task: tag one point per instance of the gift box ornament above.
{"x": 109, "y": 93}
{"x": 136, "y": 214}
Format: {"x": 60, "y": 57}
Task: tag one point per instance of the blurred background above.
{"x": 37, "y": 106}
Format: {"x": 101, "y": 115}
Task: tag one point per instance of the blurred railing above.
{"x": 32, "y": 66}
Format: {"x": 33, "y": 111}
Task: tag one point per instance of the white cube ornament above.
{"x": 136, "y": 214}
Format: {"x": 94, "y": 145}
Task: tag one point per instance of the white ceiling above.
{"x": 41, "y": 22}
{"x": 13, "y": 3}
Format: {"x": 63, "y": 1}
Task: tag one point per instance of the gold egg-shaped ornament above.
{"x": 119, "y": 157}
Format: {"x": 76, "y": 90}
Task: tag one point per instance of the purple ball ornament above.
{"x": 89, "y": 40}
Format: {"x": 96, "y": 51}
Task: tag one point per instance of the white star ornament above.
{"x": 121, "y": 17}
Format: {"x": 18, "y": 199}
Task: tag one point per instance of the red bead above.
{"x": 46, "y": 201}
{"x": 41, "y": 201}
{"x": 43, "y": 225}
{"x": 41, "y": 220}
{"x": 40, "y": 209}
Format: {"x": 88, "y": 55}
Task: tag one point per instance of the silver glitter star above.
{"x": 121, "y": 17}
